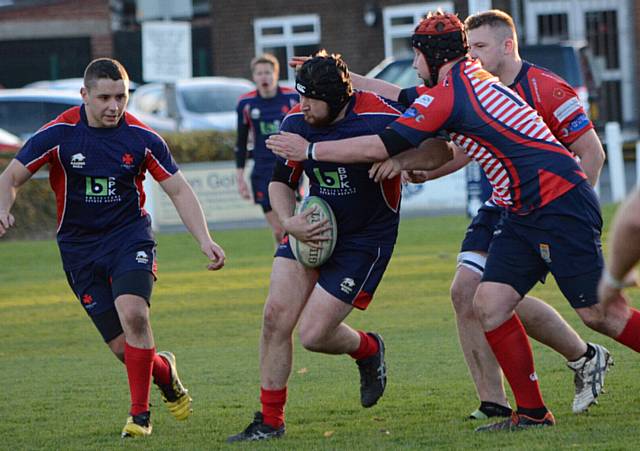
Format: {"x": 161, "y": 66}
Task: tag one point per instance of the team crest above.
{"x": 127, "y": 160}
{"x": 545, "y": 252}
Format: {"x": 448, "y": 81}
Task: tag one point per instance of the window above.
{"x": 399, "y": 23}
{"x": 285, "y": 37}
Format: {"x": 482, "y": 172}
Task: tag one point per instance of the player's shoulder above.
{"x": 247, "y": 96}
{"x": 294, "y": 119}
{"x": 142, "y": 130}
{"x": 288, "y": 91}
{"x": 545, "y": 79}
{"x": 67, "y": 119}
{"x": 367, "y": 102}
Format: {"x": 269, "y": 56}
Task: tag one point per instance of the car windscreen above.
{"x": 401, "y": 73}
{"x": 203, "y": 99}
{"x": 23, "y": 117}
{"x": 562, "y": 61}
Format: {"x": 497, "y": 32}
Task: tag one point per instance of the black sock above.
{"x": 537, "y": 414}
{"x": 491, "y": 409}
{"x": 591, "y": 352}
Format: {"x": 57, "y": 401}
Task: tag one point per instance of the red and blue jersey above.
{"x": 261, "y": 117}
{"x": 96, "y": 175}
{"x": 526, "y": 164}
{"x": 555, "y": 100}
{"x": 364, "y": 209}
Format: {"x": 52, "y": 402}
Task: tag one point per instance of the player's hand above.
{"x": 6, "y": 221}
{"x": 415, "y": 176}
{"x": 608, "y": 294}
{"x": 215, "y": 254}
{"x": 384, "y": 170}
{"x": 311, "y": 234}
{"x": 243, "y": 188}
{"x": 297, "y": 61}
{"x": 288, "y": 146}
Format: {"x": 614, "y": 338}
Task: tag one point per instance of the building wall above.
{"x": 60, "y": 19}
{"x": 342, "y": 30}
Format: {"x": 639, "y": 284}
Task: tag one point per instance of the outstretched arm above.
{"x": 380, "y": 87}
{"x": 12, "y": 178}
{"x": 190, "y": 211}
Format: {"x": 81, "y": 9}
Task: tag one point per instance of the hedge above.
{"x": 35, "y": 207}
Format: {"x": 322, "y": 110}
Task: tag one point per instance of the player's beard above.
{"x": 317, "y": 121}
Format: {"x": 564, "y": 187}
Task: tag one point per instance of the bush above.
{"x": 35, "y": 206}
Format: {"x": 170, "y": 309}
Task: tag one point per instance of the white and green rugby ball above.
{"x": 305, "y": 254}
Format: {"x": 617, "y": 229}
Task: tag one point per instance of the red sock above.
{"x": 368, "y": 346}
{"x": 273, "y": 402}
{"x": 139, "y": 363}
{"x": 630, "y": 335}
{"x": 161, "y": 370}
{"x": 512, "y": 350}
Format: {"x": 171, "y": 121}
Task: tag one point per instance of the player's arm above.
{"x": 624, "y": 249}
{"x": 283, "y": 202}
{"x": 242, "y": 135}
{"x": 432, "y": 154}
{"x": 12, "y": 178}
{"x": 589, "y": 148}
{"x": 381, "y": 87}
{"x": 190, "y": 211}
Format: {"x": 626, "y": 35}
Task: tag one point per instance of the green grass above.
{"x": 62, "y": 389}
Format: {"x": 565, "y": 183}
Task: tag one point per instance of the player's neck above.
{"x": 510, "y": 70}
{"x": 268, "y": 93}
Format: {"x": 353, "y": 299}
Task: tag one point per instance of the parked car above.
{"x": 202, "y": 103}
{"x": 9, "y": 143}
{"x": 24, "y": 111}
{"x": 570, "y": 61}
{"x": 67, "y": 84}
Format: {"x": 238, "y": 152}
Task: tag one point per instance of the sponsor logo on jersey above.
{"x": 347, "y": 285}
{"x": 567, "y": 109}
{"x": 533, "y": 377}
{"x": 334, "y": 183}
{"x": 100, "y": 190}
{"x": 424, "y": 100}
{"x": 410, "y": 112}
{"x": 580, "y": 122}
{"x": 78, "y": 161}
{"x": 142, "y": 257}
{"x": 269, "y": 127}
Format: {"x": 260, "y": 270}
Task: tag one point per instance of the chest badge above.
{"x": 78, "y": 161}
{"x": 255, "y": 113}
{"x": 127, "y": 160}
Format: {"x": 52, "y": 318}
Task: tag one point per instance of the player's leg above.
{"x": 276, "y": 226}
{"x": 483, "y": 367}
{"x": 349, "y": 279}
{"x": 512, "y": 269}
{"x": 291, "y": 284}
{"x": 260, "y": 180}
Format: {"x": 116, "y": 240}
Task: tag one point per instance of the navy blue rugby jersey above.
{"x": 96, "y": 175}
{"x": 363, "y": 208}
{"x": 262, "y": 117}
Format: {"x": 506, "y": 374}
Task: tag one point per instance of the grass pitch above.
{"x": 62, "y": 389}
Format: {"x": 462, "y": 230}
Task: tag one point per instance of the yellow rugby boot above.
{"x": 137, "y": 426}
{"x": 174, "y": 395}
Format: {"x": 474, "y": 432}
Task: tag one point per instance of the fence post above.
{"x": 613, "y": 139}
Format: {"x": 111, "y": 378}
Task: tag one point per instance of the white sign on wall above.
{"x": 166, "y": 51}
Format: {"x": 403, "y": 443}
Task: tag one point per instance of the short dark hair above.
{"x": 104, "y": 68}
{"x": 493, "y": 18}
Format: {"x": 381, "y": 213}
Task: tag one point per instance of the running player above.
{"x": 97, "y": 156}
{"x": 260, "y": 113}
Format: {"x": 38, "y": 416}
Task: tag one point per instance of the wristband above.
{"x": 311, "y": 151}
{"x": 612, "y": 281}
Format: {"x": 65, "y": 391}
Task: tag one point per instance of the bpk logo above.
{"x": 347, "y": 285}
{"x": 269, "y": 128}
{"x": 142, "y": 257}
{"x": 78, "y": 161}
{"x": 100, "y": 186}
{"x": 332, "y": 179}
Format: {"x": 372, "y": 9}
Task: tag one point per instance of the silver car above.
{"x": 24, "y": 111}
{"x": 202, "y": 103}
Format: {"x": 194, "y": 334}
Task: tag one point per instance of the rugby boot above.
{"x": 174, "y": 395}
{"x": 373, "y": 375}
{"x": 137, "y": 426}
{"x": 589, "y": 377}
{"x": 257, "y": 430}
{"x": 518, "y": 422}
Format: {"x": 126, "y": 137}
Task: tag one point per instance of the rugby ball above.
{"x": 305, "y": 254}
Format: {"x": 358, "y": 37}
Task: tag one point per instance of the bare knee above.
{"x": 312, "y": 338}
{"x": 594, "y": 317}
{"x": 137, "y": 322}
{"x": 462, "y": 297}
{"x": 275, "y": 321}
